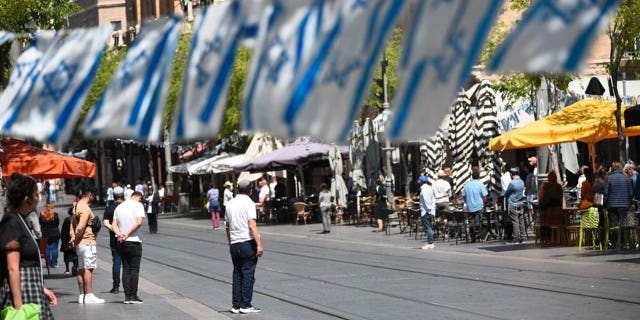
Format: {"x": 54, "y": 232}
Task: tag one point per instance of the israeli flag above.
{"x": 288, "y": 34}
{"x": 218, "y": 32}
{"x": 553, "y": 36}
{"x": 329, "y": 84}
{"x": 132, "y": 104}
{"x": 61, "y": 88}
{"x": 5, "y": 36}
{"x": 441, "y": 47}
{"x": 23, "y": 78}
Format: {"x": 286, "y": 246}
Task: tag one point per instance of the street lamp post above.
{"x": 387, "y": 144}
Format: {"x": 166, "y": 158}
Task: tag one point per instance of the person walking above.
{"x": 20, "y": 271}
{"x": 245, "y": 247}
{"x": 427, "y": 210}
{"x": 515, "y": 197}
{"x": 107, "y": 221}
{"x": 50, "y": 224}
{"x": 213, "y": 196}
{"x": 69, "y": 253}
{"x": 152, "y": 210}
{"x": 127, "y": 219}
{"x": 84, "y": 240}
{"x": 325, "y": 199}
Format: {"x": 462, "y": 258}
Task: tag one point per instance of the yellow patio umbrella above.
{"x": 587, "y": 121}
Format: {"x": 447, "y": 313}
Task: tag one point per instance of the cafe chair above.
{"x": 589, "y": 221}
{"x": 42, "y": 243}
{"x": 301, "y": 212}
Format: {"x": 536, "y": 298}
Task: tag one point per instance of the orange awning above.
{"x": 20, "y": 157}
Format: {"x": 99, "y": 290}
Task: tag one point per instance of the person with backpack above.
{"x": 49, "y": 224}
{"x": 83, "y": 238}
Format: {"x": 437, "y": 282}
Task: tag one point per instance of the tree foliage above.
{"x": 22, "y": 16}
{"x": 393, "y": 51}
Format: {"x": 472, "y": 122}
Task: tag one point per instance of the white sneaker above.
{"x": 428, "y": 246}
{"x": 235, "y": 310}
{"x": 249, "y": 310}
{"x": 81, "y": 299}
{"x": 90, "y": 298}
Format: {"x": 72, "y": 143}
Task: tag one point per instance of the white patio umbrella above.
{"x": 338, "y": 187}
{"x": 460, "y": 141}
{"x": 356, "y": 156}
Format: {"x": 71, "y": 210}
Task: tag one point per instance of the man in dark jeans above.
{"x": 617, "y": 198}
{"x": 127, "y": 220}
{"x": 116, "y": 261}
{"x": 245, "y": 247}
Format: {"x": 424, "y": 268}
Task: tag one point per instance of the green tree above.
{"x": 22, "y": 16}
{"x": 623, "y": 32}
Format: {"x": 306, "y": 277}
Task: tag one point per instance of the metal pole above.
{"x": 167, "y": 159}
{"x": 387, "y": 144}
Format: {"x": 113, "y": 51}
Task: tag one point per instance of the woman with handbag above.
{"x": 21, "y": 286}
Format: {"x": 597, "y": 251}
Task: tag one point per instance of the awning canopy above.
{"x": 587, "y": 121}
{"x": 290, "y": 155}
{"x": 20, "y": 157}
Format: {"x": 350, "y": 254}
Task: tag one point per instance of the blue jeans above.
{"x": 427, "y": 220}
{"x": 52, "y": 253}
{"x": 243, "y": 256}
{"x": 116, "y": 264}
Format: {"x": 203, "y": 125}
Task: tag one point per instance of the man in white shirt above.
{"x": 442, "y": 191}
{"x": 127, "y": 219}
{"x": 427, "y": 210}
{"x": 245, "y": 247}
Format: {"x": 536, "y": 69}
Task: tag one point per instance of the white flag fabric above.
{"x": 24, "y": 77}
{"x": 553, "y": 36}
{"x": 287, "y": 35}
{"x": 61, "y": 88}
{"x": 132, "y": 104}
{"x": 5, "y": 36}
{"x": 321, "y": 88}
{"x": 218, "y": 31}
{"x": 441, "y": 47}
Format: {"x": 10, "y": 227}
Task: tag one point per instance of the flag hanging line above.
{"x": 133, "y": 103}
{"x": 311, "y": 67}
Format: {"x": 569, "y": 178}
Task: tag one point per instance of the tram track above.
{"x": 524, "y": 285}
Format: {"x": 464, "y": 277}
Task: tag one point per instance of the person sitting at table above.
{"x": 550, "y": 202}
{"x": 515, "y": 197}
{"x": 586, "y": 190}
{"x": 442, "y": 191}
{"x": 475, "y": 195}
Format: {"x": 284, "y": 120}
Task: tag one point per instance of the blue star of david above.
{"x": 215, "y": 46}
{"x": 58, "y": 81}
{"x": 340, "y": 76}
{"x": 22, "y": 69}
{"x": 274, "y": 67}
{"x": 548, "y": 10}
{"x": 127, "y": 68}
{"x": 359, "y": 4}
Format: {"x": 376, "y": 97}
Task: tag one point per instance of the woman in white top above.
{"x": 228, "y": 192}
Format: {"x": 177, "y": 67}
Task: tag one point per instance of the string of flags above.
{"x": 312, "y": 64}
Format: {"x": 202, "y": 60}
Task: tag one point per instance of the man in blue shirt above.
{"x": 515, "y": 197}
{"x": 475, "y": 195}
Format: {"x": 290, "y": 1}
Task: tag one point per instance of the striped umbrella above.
{"x": 459, "y": 139}
{"x": 488, "y": 126}
{"x": 433, "y": 154}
